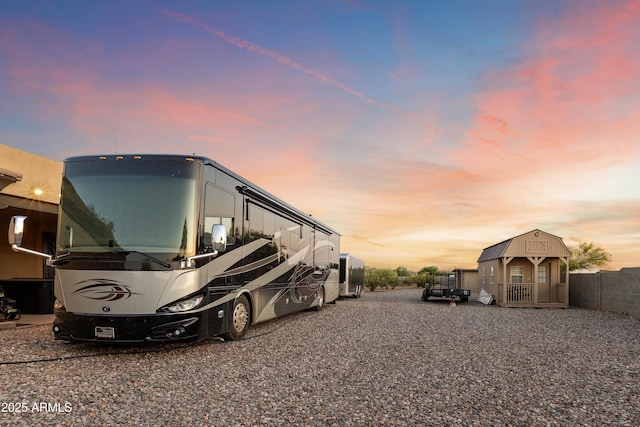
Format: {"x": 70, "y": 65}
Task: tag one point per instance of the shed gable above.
{"x": 534, "y": 243}
{"x": 537, "y": 243}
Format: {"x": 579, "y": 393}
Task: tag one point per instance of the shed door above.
{"x": 544, "y": 287}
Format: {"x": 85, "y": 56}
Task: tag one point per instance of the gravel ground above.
{"x": 384, "y": 359}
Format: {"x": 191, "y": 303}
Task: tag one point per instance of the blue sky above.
{"x": 423, "y": 131}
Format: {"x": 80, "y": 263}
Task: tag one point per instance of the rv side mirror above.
{"x": 68, "y": 237}
{"x": 16, "y": 230}
{"x": 219, "y": 237}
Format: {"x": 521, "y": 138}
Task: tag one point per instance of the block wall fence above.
{"x": 614, "y": 291}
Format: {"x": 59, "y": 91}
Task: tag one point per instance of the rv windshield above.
{"x": 122, "y": 206}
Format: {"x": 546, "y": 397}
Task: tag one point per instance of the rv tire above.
{"x": 240, "y": 319}
{"x": 320, "y": 298}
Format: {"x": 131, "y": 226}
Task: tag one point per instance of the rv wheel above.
{"x": 240, "y": 319}
{"x": 320, "y": 297}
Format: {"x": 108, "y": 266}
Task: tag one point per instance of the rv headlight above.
{"x": 185, "y": 305}
{"x": 57, "y": 305}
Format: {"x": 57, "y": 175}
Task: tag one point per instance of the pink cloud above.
{"x": 543, "y": 128}
{"x": 572, "y": 101}
{"x": 65, "y": 81}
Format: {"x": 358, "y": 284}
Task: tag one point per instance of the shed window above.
{"x": 542, "y": 274}
{"x": 516, "y": 274}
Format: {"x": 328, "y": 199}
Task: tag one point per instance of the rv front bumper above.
{"x": 129, "y": 329}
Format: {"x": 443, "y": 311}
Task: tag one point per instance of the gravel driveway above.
{"x": 384, "y": 359}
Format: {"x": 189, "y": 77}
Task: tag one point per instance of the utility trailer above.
{"x": 447, "y": 289}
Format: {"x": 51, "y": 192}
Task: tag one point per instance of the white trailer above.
{"x": 351, "y": 276}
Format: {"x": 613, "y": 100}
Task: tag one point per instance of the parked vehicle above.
{"x": 165, "y": 247}
{"x": 351, "y": 276}
{"x": 7, "y": 307}
{"x": 446, "y": 288}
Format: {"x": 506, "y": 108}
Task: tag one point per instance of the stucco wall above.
{"x": 37, "y": 173}
{"x": 20, "y": 198}
{"x": 615, "y": 291}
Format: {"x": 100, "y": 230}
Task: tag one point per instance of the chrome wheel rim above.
{"x": 240, "y": 317}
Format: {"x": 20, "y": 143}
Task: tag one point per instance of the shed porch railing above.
{"x": 524, "y": 295}
{"x": 518, "y": 292}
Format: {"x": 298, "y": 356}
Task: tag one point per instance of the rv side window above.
{"x": 256, "y": 222}
{"x": 219, "y": 209}
{"x": 290, "y": 236}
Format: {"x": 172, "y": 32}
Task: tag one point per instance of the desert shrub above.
{"x": 380, "y": 278}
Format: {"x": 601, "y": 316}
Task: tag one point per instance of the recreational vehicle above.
{"x": 166, "y": 247}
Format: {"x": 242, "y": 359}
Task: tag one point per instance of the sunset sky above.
{"x": 423, "y": 131}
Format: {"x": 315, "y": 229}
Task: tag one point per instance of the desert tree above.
{"x": 587, "y": 256}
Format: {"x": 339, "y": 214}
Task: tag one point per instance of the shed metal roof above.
{"x": 495, "y": 251}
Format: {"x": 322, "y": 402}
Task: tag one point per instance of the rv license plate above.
{"x": 105, "y": 332}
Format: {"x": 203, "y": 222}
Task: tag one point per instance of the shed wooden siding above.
{"x": 489, "y": 275}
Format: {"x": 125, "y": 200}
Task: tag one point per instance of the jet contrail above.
{"x": 251, "y": 47}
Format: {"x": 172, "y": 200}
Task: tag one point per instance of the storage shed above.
{"x": 525, "y": 271}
